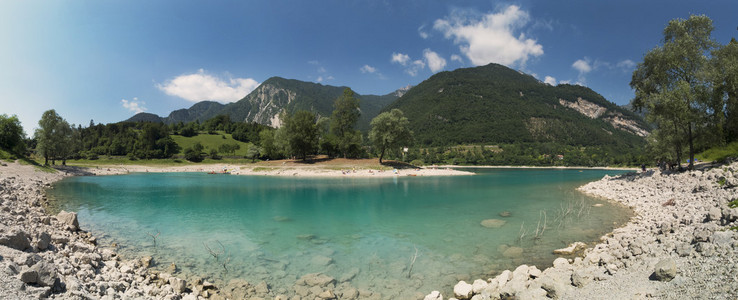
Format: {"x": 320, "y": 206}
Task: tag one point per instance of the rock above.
{"x": 434, "y": 295}
{"x": 505, "y": 214}
{"x": 46, "y": 274}
{"x": 44, "y": 239}
{"x": 534, "y": 272}
{"x": 554, "y": 288}
{"x": 714, "y": 214}
{"x": 321, "y": 261}
{"x": 723, "y": 237}
{"x": 573, "y": 248}
{"x": 179, "y": 285}
{"x": 68, "y": 219}
{"x": 561, "y": 263}
{"x": 665, "y": 270}
{"x": 262, "y": 288}
{"x": 14, "y": 238}
{"x": 479, "y": 285}
{"x": 513, "y": 252}
{"x": 315, "y": 279}
{"x": 581, "y": 277}
{"x": 29, "y": 276}
{"x": 327, "y": 295}
{"x": 463, "y": 290}
{"x": 493, "y": 223}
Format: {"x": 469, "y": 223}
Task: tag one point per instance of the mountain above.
{"x": 145, "y": 117}
{"x": 264, "y": 104}
{"x": 495, "y": 104}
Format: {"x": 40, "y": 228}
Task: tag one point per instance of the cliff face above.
{"x": 616, "y": 119}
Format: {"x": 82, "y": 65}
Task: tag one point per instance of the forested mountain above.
{"x": 494, "y": 104}
{"x": 266, "y": 102}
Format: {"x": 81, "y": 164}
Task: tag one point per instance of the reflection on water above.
{"x": 364, "y": 231}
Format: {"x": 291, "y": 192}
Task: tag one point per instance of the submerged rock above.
{"x": 571, "y": 249}
{"x": 513, "y": 252}
{"x": 505, "y": 214}
{"x": 493, "y": 223}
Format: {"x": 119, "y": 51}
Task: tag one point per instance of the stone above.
{"x": 68, "y": 219}
{"x": 14, "y": 238}
{"x": 723, "y": 237}
{"x": 513, "y": 252}
{"x": 581, "y": 277}
{"x": 554, "y": 288}
{"x": 463, "y": 290}
{"x": 573, "y": 248}
{"x": 434, "y": 295}
{"x": 534, "y": 272}
{"x": 262, "y": 288}
{"x": 561, "y": 263}
{"x": 493, "y": 223}
{"x": 479, "y": 285}
{"x": 321, "y": 261}
{"x": 179, "y": 285}
{"x": 714, "y": 214}
{"x": 665, "y": 270}
{"x": 44, "y": 239}
{"x": 29, "y": 276}
{"x": 46, "y": 274}
{"x": 505, "y": 214}
{"x": 315, "y": 279}
{"x": 328, "y": 294}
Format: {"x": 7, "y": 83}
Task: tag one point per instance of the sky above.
{"x": 108, "y": 60}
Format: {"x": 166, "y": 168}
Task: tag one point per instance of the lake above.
{"x": 400, "y": 236}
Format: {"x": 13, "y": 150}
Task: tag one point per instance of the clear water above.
{"x": 277, "y": 229}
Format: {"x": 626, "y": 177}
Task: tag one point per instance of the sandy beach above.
{"x": 678, "y": 245}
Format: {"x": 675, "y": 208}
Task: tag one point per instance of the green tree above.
{"x": 672, "y": 81}
{"x": 253, "y": 152}
{"x": 11, "y": 132}
{"x": 725, "y": 81}
{"x": 343, "y": 121}
{"x": 390, "y": 130}
{"x": 194, "y": 153}
{"x": 50, "y": 135}
{"x": 302, "y": 134}
{"x": 268, "y": 144}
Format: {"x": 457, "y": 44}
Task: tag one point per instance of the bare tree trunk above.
{"x": 381, "y": 155}
{"x": 691, "y": 148}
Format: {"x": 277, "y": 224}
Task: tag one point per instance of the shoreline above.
{"x": 689, "y": 233}
{"x": 679, "y": 245}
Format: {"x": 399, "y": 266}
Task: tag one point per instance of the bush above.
{"x": 417, "y": 162}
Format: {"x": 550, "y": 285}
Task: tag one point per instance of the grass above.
{"x": 733, "y": 203}
{"x": 168, "y": 162}
{"x": 210, "y": 141}
{"x": 719, "y": 153}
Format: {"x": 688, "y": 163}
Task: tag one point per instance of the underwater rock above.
{"x": 505, "y": 214}
{"x": 513, "y": 252}
{"x": 68, "y": 219}
{"x": 574, "y": 247}
{"x": 493, "y": 223}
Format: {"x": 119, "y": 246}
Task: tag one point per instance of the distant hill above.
{"x": 495, "y": 104}
{"x": 266, "y": 102}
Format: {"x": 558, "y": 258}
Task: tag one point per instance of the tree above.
{"x": 390, "y": 130}
{"x": 194, "y": 153}
{"x": 302, "y": 134}
{"x": 672, "y": 81}
{"x": 253, "y": 152}
{"x": 725, "y": 81}
{"x": 268, "y": 146}
{"x": 11, "y": 132}
{"x": 343, "y": 120}
{"x": 50, "y": 135}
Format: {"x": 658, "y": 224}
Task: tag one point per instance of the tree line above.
{"x": 688, "y": 86}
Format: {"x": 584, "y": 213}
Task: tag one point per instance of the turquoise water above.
{"x": 362, "y": 230}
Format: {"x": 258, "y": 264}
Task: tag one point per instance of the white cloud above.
{"x": 134, "y": 105}
{"x": 202, "y": 86}
{"x": 550, "y": 80}
{"x": 400, "y": 58}
{"x": 415, "y": 67}
{"x": 423, "y": 34}
{"x": 320, "y": 79}
{"x": 626, "y": 65}
{"x": 565, "y": 82}
{"x": 435, "y": 62}
{"x": 368, "y": 69}
{"x": 455, "y": 57}
{"x": 493, "y": 38}
{"x": 582, "y": 65}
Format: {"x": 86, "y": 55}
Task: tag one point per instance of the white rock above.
{"x": 463, "y": 290}
{"x": 434, "y": 295}
{"x": 479, "y": 285}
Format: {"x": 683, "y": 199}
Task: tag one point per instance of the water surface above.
{"x": 365, "y": 231}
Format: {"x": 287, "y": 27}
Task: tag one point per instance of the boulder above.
{"x": 14, "y": 238}
{"x": 493, "y": 223}
{"x": 665, "y": 270}
{"x": 179, "y": 285}
{"x": 581, "y": 277}
{"x": 553, "y": 287}
{"x": 46, "y": 274}
{"x": 479, "y": 285}
{"x": 573, "y": 248}
{"x": 262, "y": 288}
{"x": 714, "y": 214}
{"x": 434, "y": 295}
{"x": 315, "y": 279}
{"x": 513, "y": 252}
{"x": 327, "y": 295}
{"x": 463, "y": 290}
{"x": 321, "y": 261}
{"x": 44, "y": 239}
{"x": 723, "y": 237}
{"x": 68, "y": 219}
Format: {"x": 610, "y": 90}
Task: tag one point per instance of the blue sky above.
{"x": 107, "y": 60}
